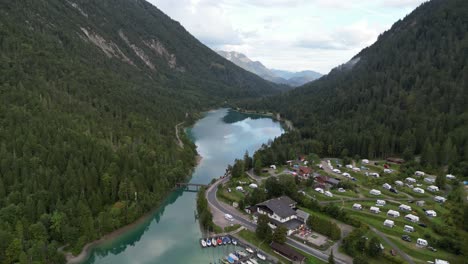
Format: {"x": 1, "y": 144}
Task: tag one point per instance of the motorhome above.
{"x": 393, "y": 213}
{"x": 375, "y": 192}
{"x": 349, "y": 166}
{"x": 387, "y": 171}
{"x": 380, "y": 203}
{"x": 404, "y": 207}
{"x": 431, "y": 213}
{"x": 387, "y": 186}
{"x": 389, "y": 223}
{"x": 347, "y": 175}
{"x": 399, "y": 183}
{"x": 375, "y": 210}
{"x": 429, "y": 180}
{"x": 365, "y": 161}
{"x": 410, "y": 180}
{"x": 418, "y": 190}
{"x": 356, "y": 169}
{"x": 421, "y": 242}
{"x": 412, "y": 218}
{"x": 329, "y": 194}
{"x": 419, "y": 173}
{"x": 433, "y": 188}
{"x": 357, "y": 206}
{"x": 320, "y": 190}
{"x": 450, "y": 177}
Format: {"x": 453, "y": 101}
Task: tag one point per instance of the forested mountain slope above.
{"x": 405, "y": 95}
{"x": 90, "y": 93}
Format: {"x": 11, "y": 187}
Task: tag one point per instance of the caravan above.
{"x": 450, "y": 177}
{"x": 412, "y": 218}
{"x": 380, "y": 203}
{"x": 389, "y": 223}
{"x": 408, "y": 229}
{"x": 431, "y": 213}
{"x": 399, "y": 183}
{"x": 375, "y": 210}
{"x": 433, "y": 188}
{"x": 419, "y": 173}
{"x": 418, "y": 190}
{"x": 375, "y": 192}
{"x": 387, "y": 186}
{"x": 429, "y": 180}
{"x": 421, "y": 242}
{"x": 374, "y": 174}
{"x": 440, "y": 199}
{"x": 393, "y": 213}
{"x": 404, "y": 207}
{"x": 410, "y": 180}
{"x": 357, "y": 206}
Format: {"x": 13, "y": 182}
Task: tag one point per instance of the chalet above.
{"x": 412, "y": 218}
{"x": 287, "y": 252}
{"x": 388, "y": 223}
{"x": 395, "y": 160}
{"x": 281, "y": 212}
{"x": 304, "y": 172}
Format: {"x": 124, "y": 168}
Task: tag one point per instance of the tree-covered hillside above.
{"x": 405, "y": 95}
{"x": 90, "y": 93}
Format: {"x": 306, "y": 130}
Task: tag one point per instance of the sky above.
{"x": 290, "y": 35}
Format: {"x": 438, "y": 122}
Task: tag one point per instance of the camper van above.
{"x": 433, "y": 188}
{"x": 329, "y": 194}
{"x": 431, "y": 213}
{"x": 408, "y": 228}
{"x": 450, "y": 177}
{"x": 253, "y": 186}
{"x": 374, "y": 174}
{"x": 375, "y": 210}
{"x": 365, "y": 161}
{"x": 410, "y": 180}
{"x": 336, "y": 171}
{"x": 421, "y": 242}
{"x": 418, "y": 190}
{"x": 356, "y": 169}
{"x": 429, "y": 180}
{"x": 404, "y": 207}
{"x": 440, "y": 199}
{"x": 320, "y": 190}
{"x": 228, "y": 217}
{"x": 412, "y": 218}
{"x": 375, "y": 192}
{"x": 387, "y": 171}
{"x": 357, "y": 206}
{"x": 349, "y": 166}
{"x": 419, "y": 173}
{"x": 389, "y": 223}
{"x": 347, "y": 175}
{"x": 380, "y": 203}
{"x": 393, "y": 213}
{"x": 387, "y": 186}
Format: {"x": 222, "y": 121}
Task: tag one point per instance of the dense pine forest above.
{"x": 90, "y": 93}
{"x": 406, "y": 95}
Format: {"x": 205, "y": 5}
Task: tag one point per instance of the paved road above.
{"x": 213, "y": 201}
{"x": 402, "y": 253}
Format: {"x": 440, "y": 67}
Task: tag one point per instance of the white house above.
{"x": 410, "y": 180}
{"x": 393, "y": 213}
{"x": 380, "y": 203}
{"x": 429, "y": 180}
{"x": 365, "y": 161}
{"x": 431, "y": 213}
{"x": 408, "y": 228}
{"x": 419, "y": 173}
{"x": 440, "y": 199}
{"x": 404, "y": 207}
{"x": 421, "y": 242}
{"x": 387, "y": 186}
{"x": 450, "y": 177}
{"x": 399, "y": 183}
{"x": 375, "y": 210}
{"x": 388, "y": 223}
{"x": 357, "y": 206}
{"x": 280, "y": 212}
{"x": 375, "y": 192}
{"x": 418, "y": 190}
{"x": 433, "y": 188}
{"x": 412, "y": 218}
{"x": 253, "y": 186}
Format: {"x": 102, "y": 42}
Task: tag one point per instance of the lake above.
{"x": 172, "y": 234}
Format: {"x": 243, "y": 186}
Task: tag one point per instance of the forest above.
{"x": 403, "y": 96}
{"x": 87, "y": 118}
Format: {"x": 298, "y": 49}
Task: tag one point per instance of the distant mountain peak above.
{"x": 277, "y": 76}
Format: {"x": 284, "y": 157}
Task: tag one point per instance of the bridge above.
{"x": 190, "y": 187}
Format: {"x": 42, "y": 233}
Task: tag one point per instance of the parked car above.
{"x": 393, "y": 190}
{"x": 406, "y": 238}
{"x": 422, "y": 225}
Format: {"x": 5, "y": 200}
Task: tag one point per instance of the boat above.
{"x": 234, "y": 242}
{"x": 234, "y": 257}
{"x": 228, "y": 240}
{"x": 219, "y": 241}
{"x": 249, "y": 262}
{"x": 203, "y": 242}
{"x": 253, "y": 261}
{"x": 241, "y": 253}
{"x": 249, "y": 250}
{"x": 208, "y": 242}
{"x": 230, "y": 260}
{"x": 225, "y": 261}
{"x": 225, "y": 240}
{"x": 213, "y": 242}
{"x": 260, "y": 256}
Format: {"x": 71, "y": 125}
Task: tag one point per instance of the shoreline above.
{"x": 288, "y": 124}
{"x": 85, "y": 252}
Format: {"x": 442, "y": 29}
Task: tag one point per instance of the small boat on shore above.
{"x": 219, "y": 241}
{"x": 260, "y": 256}
{"x": 234, "y": 257}
{"x": 253, "y": 261}
{"x": 234, "y": 242}
{"x": 249, "y": 250}
{"x": 225, "y": 240}
{"x": 208, "y": 242}
{"x": 203, "y": 242}
{"x": 228, "y": 240}
{"x": 213, "y": 242}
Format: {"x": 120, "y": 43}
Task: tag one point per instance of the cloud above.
{"x": 401, "y": 3}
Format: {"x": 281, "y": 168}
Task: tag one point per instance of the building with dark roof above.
{"x": 281, "y": 213}
{"x": 287, "y": 252}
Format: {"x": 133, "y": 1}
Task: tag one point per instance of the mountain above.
{"x": 405, "y": 95}
{"x": 293, "y": 79}
{"x": 90, "y": 94}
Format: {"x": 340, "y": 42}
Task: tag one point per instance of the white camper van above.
{"x": 375, "y": 192}
{"x": 389, "y": 223}
{"x": 380, "y": 203}
{"x": 393, "y": 213}
{"x": 421, "y": 242}
{"x": 408, "y": 228}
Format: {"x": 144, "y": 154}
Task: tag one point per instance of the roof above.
{"x": 287, "y": 251}
{"x": 301, "y": 214}
{"x": 280, "y": 206}
{"x": 305, "y": 170}
{"x": 292, "y": 224}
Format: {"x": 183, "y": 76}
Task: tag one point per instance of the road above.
{"x": 385, "y": 238}
{"x": 241, "y": 219}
